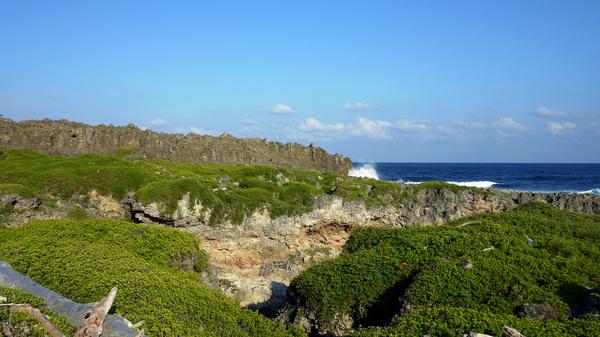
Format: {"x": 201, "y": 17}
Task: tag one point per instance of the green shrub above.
{"x": 424, "y": 265}
{"x": 150, "y": 265}
{"x": 17, "y": 296}
{"x": 453, "y": 322}
{"x": 17, "y": 189}
{"x": 77, "y": 213}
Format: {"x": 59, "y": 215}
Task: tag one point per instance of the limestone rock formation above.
{"x": 70, "y": 138}
{"x": 262, "y": 255}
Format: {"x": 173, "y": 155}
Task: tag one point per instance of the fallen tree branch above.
{"x": 46, "y": 325}
{"x": 510, "y": 332}
{"x": 93, "y": 325}
{"x": 75, "y": 313}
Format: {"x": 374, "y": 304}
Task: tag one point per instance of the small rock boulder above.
{"x": 541, "y": 311}
{"x": 466, "y": 265}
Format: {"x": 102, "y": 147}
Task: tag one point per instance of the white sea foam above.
{"x": 479, "y": 184}
{"x": 595, "y": 191}
{"x": 408, "y": 182}
{"x": 365, "y": 171}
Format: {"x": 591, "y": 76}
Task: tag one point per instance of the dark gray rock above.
{"x": 541, "y": 311}
{"x": 70, "y": 138}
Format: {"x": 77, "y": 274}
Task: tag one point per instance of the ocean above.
{"x": 578, "y": 178}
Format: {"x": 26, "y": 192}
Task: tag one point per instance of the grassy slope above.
{"x": 83, "y": 259}
{"x": 379, "y": 265}
{"x": 247, "y": 188}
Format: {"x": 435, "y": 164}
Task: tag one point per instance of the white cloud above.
{"x": 405, "y": 125}
{"x": 193, "y": 129}
{"x": 248, "y": 122}
{"x": 444, "y": 129}
{"x": 468, "y": 125}
{"x": 312, "y": 128}
{"x": 313, "y": 124}
{"x": 281, "y": 109}
{"x": 509, "y": 124}
{"x": 197, "y": 130}
{"x": 357, "y": 106}
{"x": 545, "y": 112}
{"x": 251, "y": 125}
{"x": 557, "y": 128}
{"x": 371, "y": 128}
{"x": 157, "y": 122}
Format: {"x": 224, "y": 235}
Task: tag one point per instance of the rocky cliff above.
{"x": 256, "y": 260}
{"x": 263, "y": 255}
{"x": 70, "y": 138}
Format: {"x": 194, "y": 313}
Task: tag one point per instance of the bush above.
{"x": 77, "y": 213}
{"x": 17, "y": 296}
{"x": 17, "y": 189}
{"x": 82, "y": 260}
{"x": 424, "y": 265}
{"x": 453, "y": 322}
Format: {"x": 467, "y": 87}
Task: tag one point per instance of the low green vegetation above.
{"x": 475, "y": 274}
{"x": 26, "y": 325}
{"x": 16, "y": 189}
{"x": 77, "y": 213}
{"x": 455, "y": 322}
{"x": 158, "y": 271}
{"x": 230, "y": 191}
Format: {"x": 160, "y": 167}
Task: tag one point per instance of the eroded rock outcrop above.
{"x": 259, "y": 257}
{"x": 70, "y": 138}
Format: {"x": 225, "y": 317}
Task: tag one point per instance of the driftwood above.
{"x": 46, "y": 325}
{"x": 93, "y": 325}
{"x": 510, "y": 332}
{"x": 78, "y": 315}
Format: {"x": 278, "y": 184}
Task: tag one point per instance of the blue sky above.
{"x": 434, "y": 81}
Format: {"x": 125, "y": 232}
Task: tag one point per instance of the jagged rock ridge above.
{"x": 69, "y": 138}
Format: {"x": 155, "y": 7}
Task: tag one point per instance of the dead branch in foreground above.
{"x": 77, "y": 314}
{"x": 510, "y": 332}
{"x": 46, "y": 325}
{"x": 91, "y": 328}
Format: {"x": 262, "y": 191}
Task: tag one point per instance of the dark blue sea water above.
{"x": 582, "y": 178}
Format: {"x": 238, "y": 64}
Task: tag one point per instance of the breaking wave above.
{"x": 365, "y": 171}
{"x": 479, "y": 184}
{"x": 408, "y": 182}
{"x": 594, "y": 191}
